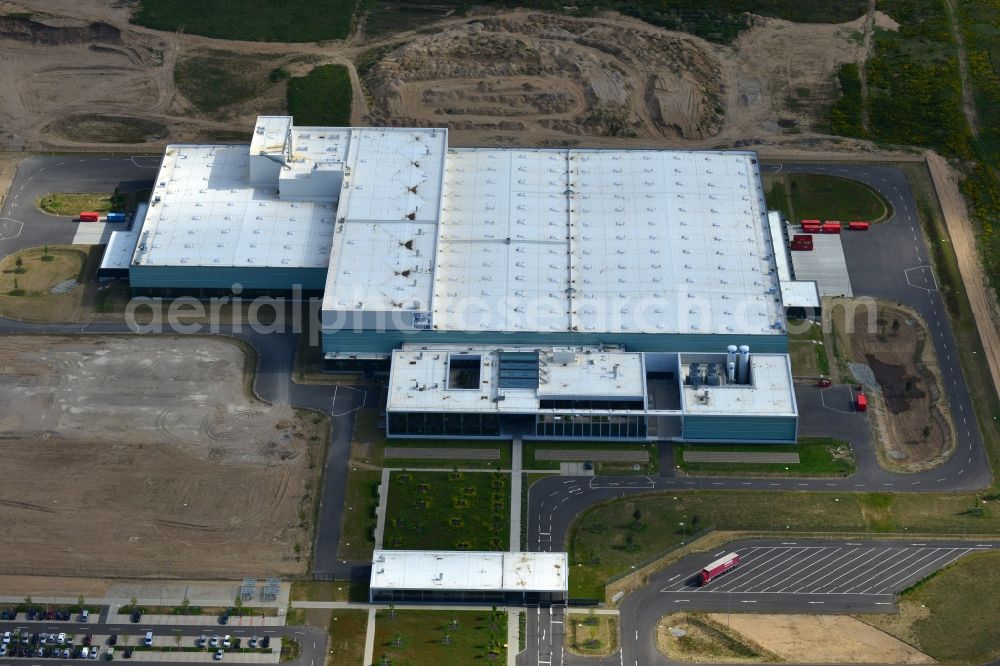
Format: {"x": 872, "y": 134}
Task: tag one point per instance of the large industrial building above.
{"x": 549, "y": 293}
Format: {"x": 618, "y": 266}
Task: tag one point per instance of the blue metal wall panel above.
{"x": 353, "y": 342}
{"x": 224, "y": 277}
{"x": 740, "y": 429}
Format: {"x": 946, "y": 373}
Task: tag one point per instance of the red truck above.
{"x": 811, "y": 226}
{"x": 89, "y": 216}
{"x": 857, "y": 226}
{"x": 831, "y": 227}
{"x": 717, "y": 568}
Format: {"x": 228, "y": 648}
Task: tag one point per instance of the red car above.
{"x": 823, "y": 383}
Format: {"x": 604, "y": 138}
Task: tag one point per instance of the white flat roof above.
{"x": 770, "y": 392}
{"x": 121, "y": 245}
{"x": 604, "y": 241}
{"x": 794, "y": 293}
{"x": 418, "y": 379}
{"x": 473, "y": 571}
{"x": 383, "y": 250}
{"x": 204, "y": 212}
{"x": 592, "y": 373}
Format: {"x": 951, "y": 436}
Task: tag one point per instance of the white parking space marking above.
{"x": 850, "y": 569}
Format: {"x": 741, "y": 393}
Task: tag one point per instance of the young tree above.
{"x": 19, "y": 263}
{"x": 397, "y": 639}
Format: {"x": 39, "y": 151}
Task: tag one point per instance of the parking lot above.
{"x": 849, "y": 568}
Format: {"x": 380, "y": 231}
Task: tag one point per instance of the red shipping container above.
{"x": 89, "y": 217}
{"x": 718, "y": 567}
{"x": 805, "y": 222}
{"x": 861, "y": 402}
{"x": 811, "y": 229}
{"x": 802, "y": 238}
{"x": 857, "y": 226}
{"x": 831, "y": 227}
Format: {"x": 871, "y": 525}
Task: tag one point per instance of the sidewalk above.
{"x": 516, "y": 477}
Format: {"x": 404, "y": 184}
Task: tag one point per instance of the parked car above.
{"x": 88, "y": 639}
{"x": 6, "y": 637}
{"x": 3, "y": 650}
{"x": 253, "y": 641}
{"x": 61, "y": 639}
{"x": 66, "y": 653}
{"x": 219, "y": 654}
{"x": 94, "y": 652}
{"x": 113, "y": 639}
{"x": 237, "y": 642}
{"x": 224, "y": 618}
{"x": 265, "y": 642}
{"x": 32, "y": 614}
{"x": 201, "y": 641}
{"x": 136, "y": 616}
{"x": 213, "y": 642}
{"x": 110, "y": 654}
{"x": 128, "y": 652}
{"x": 84, "y": 615}
{"x": 227, "y": 641}
{"x": 149, "y": 638}
{"x": 84, "y": 652}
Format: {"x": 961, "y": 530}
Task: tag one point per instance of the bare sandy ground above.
{"x": 139, "y": 456}
{"x": 982, "y": 299}
{"x": 822, "y": 639}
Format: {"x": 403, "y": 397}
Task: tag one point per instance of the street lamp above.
{"x": 683, "y": 531}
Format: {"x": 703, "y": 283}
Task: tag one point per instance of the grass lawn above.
{"x": 254, "y": 20}
{"x": 805, "y": 346}
{"x": 357, "y": 531}
{"x": 347, "y": 637}
{"x": 26, "y": 291}
{"x": 213, "y": 79}
{"x": 952, "y": 615}
{"x": 313, "y": 590}
{"x": 813, "y": 197}
{"x": 444, "y": 510}
{"x": 321, "y": 98}
{"x": 818, "y": 456}
{"x": 605, "y": 541}
{"x": 417, "y": 637}
{"x": 447, "y": 462}
{"x": 71, "y": 203}
{"x": 592, "y": 636}
{"x": 653, "y": 467}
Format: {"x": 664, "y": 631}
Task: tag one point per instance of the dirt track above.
{"x": 143, "y": 456}
{"x": 963, "y": 240}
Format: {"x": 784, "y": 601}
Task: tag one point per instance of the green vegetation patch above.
{"x": 347, "y": 636}
{"x": 914, "y": 88}
{"x": 959, "y": 625}
{"x": 608, "y": 539}
{"x": 212, "y": 79}
{"x": 845, "y": 114}
{"x": 813, "y": 197}
{"x": 357, "y": 531}
{"x": 253, "y": 20}
{"x": 806, "y": 349}
{"x": 448, "y": 510}
{"x": 818, "y": 456}
{"x": 440, "y": 638}
{"x": 321, "y": 98}
{"x": 448, "y": 459}
{"x": 71, "y": 204}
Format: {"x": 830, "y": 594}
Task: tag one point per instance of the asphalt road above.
{"x": 22, "y": 225}
{"x": 782, "y": 577}
{"x": 312, "y": 640}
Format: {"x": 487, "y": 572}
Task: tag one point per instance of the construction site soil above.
{"x": 144, "y": 456}
{"x": 910, "y": 411}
